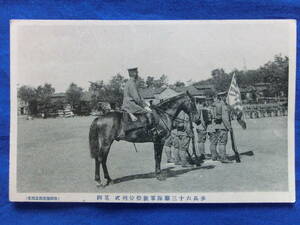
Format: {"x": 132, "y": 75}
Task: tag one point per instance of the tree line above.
{"x": 274, "y": 72}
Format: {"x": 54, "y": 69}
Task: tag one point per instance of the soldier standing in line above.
{"x": 170, "y": 142}
{"x": 184, "y": 136}
{"x": 201, "y": 133}
{"x": 218, "y": 130}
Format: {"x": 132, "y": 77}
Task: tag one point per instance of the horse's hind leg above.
{"x": 97, "y": 172}
{"x": 106, "y": 149}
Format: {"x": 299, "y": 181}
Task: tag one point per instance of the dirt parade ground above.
{"x": 53, "y": 156}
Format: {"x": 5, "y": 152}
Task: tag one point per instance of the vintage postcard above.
{"x": 152, "y": 111}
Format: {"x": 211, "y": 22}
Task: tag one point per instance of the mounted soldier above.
{"x": 135, "y": 105}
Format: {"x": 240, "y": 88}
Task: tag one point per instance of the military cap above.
{"x": 132, "y": 71}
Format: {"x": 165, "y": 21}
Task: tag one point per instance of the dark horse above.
{"x": 105, "y": 129}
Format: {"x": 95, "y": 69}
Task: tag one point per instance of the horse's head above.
{"x": 190, "y": 108}
{"x": 182, "y": 102}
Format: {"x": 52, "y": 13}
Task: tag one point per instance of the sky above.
{"x": 61, "y": 52}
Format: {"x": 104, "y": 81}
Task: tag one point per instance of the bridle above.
{"x": 160, "y": 111}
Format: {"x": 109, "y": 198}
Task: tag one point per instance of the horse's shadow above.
{"x": 167, "y": 172}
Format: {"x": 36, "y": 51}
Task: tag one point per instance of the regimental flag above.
{"x": 234, "y": 95}
{"x": 235, "y": 101}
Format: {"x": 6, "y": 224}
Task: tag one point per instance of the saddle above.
{"x": 145, "y": 125}
{"x": 129, "y": 125}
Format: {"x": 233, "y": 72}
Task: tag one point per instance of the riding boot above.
{"x": 121, "y": 135}
{"x": 150, "y": 119}
{"x": 150, "y": 124}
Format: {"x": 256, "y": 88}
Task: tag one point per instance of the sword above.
{"x": 135, "y": 147}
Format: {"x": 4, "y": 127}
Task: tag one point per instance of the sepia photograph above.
{"x": 152, "y": 111}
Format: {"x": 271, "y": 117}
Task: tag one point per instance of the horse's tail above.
{"x": 94, "y": 139}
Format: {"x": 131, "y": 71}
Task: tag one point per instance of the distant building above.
{"x": 262, "y": 89}
{"x": 59, "y": 97}
{"x": 84, "y": 107}
{"x": 260, "y": 93}
{"x": 201, "y": 92}
{"x": 156, "y": 95}
{"x": 23, "y": 107}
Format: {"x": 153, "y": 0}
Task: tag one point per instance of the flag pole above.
{"x": 233, "y": 143}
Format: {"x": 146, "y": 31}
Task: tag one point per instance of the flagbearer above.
{"x": 218, "y": 130}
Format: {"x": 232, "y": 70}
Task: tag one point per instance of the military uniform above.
{"x": 132, "y": 100}
{"x": 133, "y": 103}
{"x": 218, "y": 130}
{"x": 201, "y": 134}
{"x": 184, "y": 135}
{"x": 171, "y": 141}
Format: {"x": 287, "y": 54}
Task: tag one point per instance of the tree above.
{"x": 276, "y": 73}
{"x": 179, "y": 84}
{"x": 29, "y": 96}
{"x": 220, "y": 79}
{"x": 26, "y": 93}
{"x": 163, "y": 80}
{"x": 157, "y": 83}
{"x": 97, "y": 90}
{"x": 73, "y": 95}
{"x": 114, "y": 90}
{"x": 44, "y": 94}
{"x": 111, "y": 92}
{"x": 141, "y": 83}
{"x": 150, "y": 81}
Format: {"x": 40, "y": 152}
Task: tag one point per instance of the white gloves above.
{"x": 148, "y": 109}
{"x": 132, "y": 117}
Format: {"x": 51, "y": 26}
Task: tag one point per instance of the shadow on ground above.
{"x": 232, "y": 157}
{"x": 167, "y": 172}
{"x": 248, "y": 153}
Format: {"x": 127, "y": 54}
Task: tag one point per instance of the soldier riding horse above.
{"x": 106, "y": 129}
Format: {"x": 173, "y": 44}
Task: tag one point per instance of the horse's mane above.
{"x": 168, "y": 101}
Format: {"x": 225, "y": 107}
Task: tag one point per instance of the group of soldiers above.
{"x": 182, "y": 133}
{"x": 178, "y": 144}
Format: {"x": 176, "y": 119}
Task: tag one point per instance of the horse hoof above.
{"x": 160, "y": 177}
{"x": 111, "y": 182}
{"x": 107, "y": 182}
{"x": 98, "y": 183}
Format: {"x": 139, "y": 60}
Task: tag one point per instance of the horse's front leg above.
{"x": 158, "y": 147}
